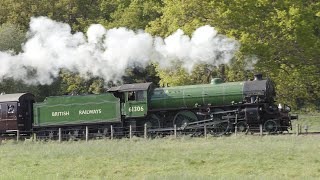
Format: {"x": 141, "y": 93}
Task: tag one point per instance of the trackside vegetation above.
{"x": 235, "y": 157}
{"x": 311, "y": 120}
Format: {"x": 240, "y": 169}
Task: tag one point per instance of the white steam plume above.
{"x": 107, "y": 53}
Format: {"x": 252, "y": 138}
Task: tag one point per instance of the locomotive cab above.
{"x": 134, "y": 99}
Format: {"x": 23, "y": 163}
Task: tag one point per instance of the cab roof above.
{"x": 130, "y": 87}
{"x": 12, "y": 97}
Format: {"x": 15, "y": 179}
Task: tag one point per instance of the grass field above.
{"x": 235, "y": 157}
{"x": 311, "y": 120}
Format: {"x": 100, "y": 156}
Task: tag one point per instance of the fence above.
{"x": 63, "y": 134}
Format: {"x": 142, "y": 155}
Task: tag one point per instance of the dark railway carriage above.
{"x": 16, "y": 112}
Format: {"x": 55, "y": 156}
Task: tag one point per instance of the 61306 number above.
{"x": 136, "y": 109}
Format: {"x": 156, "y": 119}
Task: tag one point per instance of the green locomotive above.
{"x": 219, "y": 106}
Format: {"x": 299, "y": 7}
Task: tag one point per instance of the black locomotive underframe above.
{"x": 244, "y": 117}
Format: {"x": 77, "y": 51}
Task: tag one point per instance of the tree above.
{"x": 141, "y": 75}
{"x": 11, "y": 38}
{"x": 173, "y": 76}
{"x": 73, "y": 83}
{"x": 133, "y": 14}
{"x": 282, "y": 35}
{"x": 79, "y": 14}
{"x": 180, "y": 14}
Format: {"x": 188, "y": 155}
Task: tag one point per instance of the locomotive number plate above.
{"x": 136, "y": 108}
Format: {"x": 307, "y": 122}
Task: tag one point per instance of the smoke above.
{"x": 205, "y": 46}
{"x": 250, "y": 62}
{"x": 51, "y": 46}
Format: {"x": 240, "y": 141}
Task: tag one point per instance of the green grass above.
{"x": 235, "y": 157}
{"x": 311, "y": 120}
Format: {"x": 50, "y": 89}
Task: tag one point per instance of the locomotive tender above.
{"x": 218, "y": 106}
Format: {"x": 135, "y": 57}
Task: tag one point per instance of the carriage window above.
{"x": 10, "y": 109}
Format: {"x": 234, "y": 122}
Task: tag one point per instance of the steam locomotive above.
{"x": 219, "y": 106}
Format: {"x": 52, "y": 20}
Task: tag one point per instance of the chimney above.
{"x": 257, "y": 77}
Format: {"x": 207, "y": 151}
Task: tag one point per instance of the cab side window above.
{"x": 131, "y": 96}
{"x": 140, "y": 96}
{"x": 135, "y": 96}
